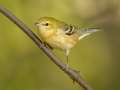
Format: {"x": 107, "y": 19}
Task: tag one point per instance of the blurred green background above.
{"x": 23, "y": 66}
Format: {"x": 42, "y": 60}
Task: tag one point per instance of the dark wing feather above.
{"x": 69, "y": 30}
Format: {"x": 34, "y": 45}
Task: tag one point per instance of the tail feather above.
{"x": 86, "y": 32}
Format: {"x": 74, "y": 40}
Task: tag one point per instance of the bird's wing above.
{"x": 69, "y": 30}
{"x": 85, "y": 32}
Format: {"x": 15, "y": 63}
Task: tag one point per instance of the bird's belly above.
{"x": 62, "y": 42}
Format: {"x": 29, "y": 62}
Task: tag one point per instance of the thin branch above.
{"x": 75, "y": 76}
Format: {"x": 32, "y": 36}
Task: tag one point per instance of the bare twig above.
{"x": 70, "y": 72}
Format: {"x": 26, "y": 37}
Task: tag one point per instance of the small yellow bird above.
{"x": 57, "y": 34}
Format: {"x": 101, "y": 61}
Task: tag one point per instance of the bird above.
{"x": 60, "y": 35}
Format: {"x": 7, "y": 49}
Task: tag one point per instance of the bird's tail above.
{"x": 86, "y": 32}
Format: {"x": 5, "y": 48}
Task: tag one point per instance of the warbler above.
{"x": 58, "y": 34}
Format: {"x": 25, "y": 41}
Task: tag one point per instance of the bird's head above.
{"x": 47, "y": 23}
{"x": 48, "y": 26}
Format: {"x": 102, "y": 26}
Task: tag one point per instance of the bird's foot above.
{"x": 67, "y": 66}
{"x": 47, "y": 45}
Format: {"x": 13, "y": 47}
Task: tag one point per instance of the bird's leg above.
{"x": 67, "y": 53}
{"x": 67, "y": 65}
{"x": 67, "y": 60}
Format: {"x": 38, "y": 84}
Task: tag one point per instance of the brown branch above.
{"x": 75, "y": 76}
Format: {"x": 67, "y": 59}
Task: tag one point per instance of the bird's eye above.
{"x": 46, "y": 24}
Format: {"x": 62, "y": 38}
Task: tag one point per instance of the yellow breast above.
{"x": 60, "y": 40}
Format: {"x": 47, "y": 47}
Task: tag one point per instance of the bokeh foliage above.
{"x": 24, "y": 67}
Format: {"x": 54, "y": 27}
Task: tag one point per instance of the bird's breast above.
{"x": 62, "y": 41}
{"x": 59, "y": 39}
